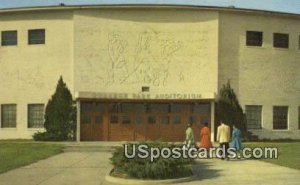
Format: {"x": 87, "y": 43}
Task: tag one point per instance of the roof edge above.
{"x": 158, "y": 6}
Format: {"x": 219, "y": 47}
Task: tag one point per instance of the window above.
{"x": 145, "y": 89}
{"x": 280, "y": 117}
{"x": 115, "y": 108}
{"x": 254, "y": 38}
{"x": 177, "y": 107}
{"x": 158, "y": 107}
{"x": 114, "y": 119}
{"x": 253, "y": 116}
{"x": 177, "y": 119}
{"x": 200, "y": 108}
{"x": 35, "y": 115}
{"x": 36, "y": 36}
{"x": 8, "y": 116}
{"x": 281, "y": 40}
{"x": 132, "y": 107}
{"x": 9, "y": 38}
{"x": 151, "y": 119}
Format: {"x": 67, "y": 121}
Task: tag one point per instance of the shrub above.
{"x": 60, "y": 116}
{"x": 160, "y": 168}
{"x": 45, "y": 136}
{"x": 229, "y": 110}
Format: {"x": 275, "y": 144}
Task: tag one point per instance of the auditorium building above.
{"x": 142, "y": 72}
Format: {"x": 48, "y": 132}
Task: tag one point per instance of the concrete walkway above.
{"x": 90, "y": 168}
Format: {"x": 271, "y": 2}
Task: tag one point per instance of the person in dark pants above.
{"x": 223, "y": 136}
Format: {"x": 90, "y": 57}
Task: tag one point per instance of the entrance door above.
{"x": 121, "y": 122}
{"x": 139, "y": 118}
{"x": 92, "y": 125}
{"x": 198, "y": 114}
{"x": 141, "y": 121}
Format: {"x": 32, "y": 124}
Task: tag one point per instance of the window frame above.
{"x": 287, "y": 118}
{"x": 280, "y": 44}
{"x": 252, "y": 42}
{"x": 260, "y": 117}
{"x": 8, "y": 125}
{"x": 36, "y": 41}
{"x": 9, "y": 31}
{"x": 28, "y": 115}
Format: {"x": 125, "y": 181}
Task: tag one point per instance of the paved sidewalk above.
{"x": 90, "y": 168}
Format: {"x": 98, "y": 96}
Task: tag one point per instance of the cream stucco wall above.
{"x": 121, "y": 50}
{"x": 29, "y": 73}
{"x": 264, "y": 75}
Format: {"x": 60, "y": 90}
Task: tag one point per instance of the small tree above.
{"x": 229, "y": 110}
{"x": 60, "y": 116}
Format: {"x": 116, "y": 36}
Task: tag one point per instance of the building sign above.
{"x": 162, "y": 96}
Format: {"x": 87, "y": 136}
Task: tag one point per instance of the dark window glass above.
{"x": 114, "y": 119}
{"x": 200, "y": 108}
{"x": 99, "y": 107}
{"x": 133, "y": 107}
{"x": 158, "y": 107}
{"x": 36, "y": 36}
{"x": 35, "y": 115}
{"x": 253, "y": 116}
{"x": 145, "y": 89}
{"x": 9, "y": 116}
{"x": 151, "y": 119}
{"x": 87, "y": 107}
{"x": 254, "y": 38}
{"x": 281, "y": 40}
{"x": 177, "y": 107}
{"x": 9, "y": 38}
{"x": 115, "y": 107}
{"x": 177, "y": 119}
{"x": 280, "y": 117}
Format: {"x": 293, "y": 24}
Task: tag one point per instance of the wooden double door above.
{"x": 126, "y": 121}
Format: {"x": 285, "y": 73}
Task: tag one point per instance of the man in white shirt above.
{"x": 223, "y": 137}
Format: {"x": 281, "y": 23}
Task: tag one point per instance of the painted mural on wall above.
{"x": 150, "y": 62}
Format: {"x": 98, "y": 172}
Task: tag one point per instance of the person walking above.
{"x": 223, "y": 136}
{"x": 205, "y": 141}
{"x": 189, "y": 136}
{"x": 236, "y": 141}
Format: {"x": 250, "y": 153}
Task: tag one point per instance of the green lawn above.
{"x": 17, "y": 154}
{"x": 288, "y": 153}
